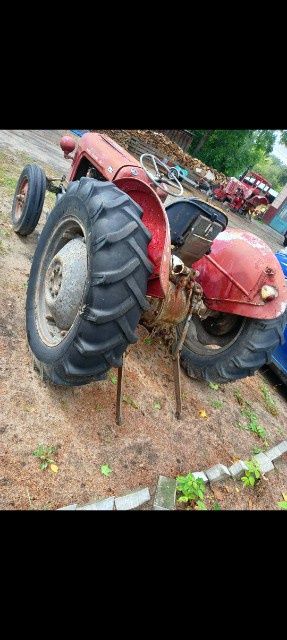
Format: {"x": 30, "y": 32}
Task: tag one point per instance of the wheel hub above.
{"x": 65, "y": 281}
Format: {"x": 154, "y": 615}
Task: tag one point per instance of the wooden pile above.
{"x": 146, "y": 140}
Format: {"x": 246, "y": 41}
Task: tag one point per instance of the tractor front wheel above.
{"x": 28, "y": 199}
{"x": 226, "y": 347}
{"x": 87, "y": 284}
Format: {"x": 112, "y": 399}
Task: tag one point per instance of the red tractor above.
{"x": 240, "y": 196}
{"x": 111, "y": 255}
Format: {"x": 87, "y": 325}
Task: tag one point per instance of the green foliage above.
{"x": 213, "y": 385}
{"x": 269, "y": 401}
{"x": 192, "y": 490}
{"x": 44, "y": 453}
{"x": 216, "y": 404}
{"x": 256, "y": 450}
{"x": 282, "y": 505}
{"x": 273, "y": 169}
{"x": 283, "y": 139}
{"x": 113, "y": 378}
{"x": 156, "y": 405}
{"x": 252, "y": 422}
{"x": 237, "y": 394}
{"x": 252, "y": 475}
{"x": 148, "y": 340}
{"x": 216, "y": 507}
{"x": 130, "y": 401}
{"x": 105, "y": 470}
{"x": 231, "y": 150}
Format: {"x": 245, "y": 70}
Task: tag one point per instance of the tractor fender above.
{"x": 156, "y": 220}
{"x": 233, "y": 273}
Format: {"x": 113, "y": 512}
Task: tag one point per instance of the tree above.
{"x": 273, "y": 170}
{"x": 231, "y": 150}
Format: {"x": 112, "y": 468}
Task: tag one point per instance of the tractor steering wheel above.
{"x": 167, "y": 178}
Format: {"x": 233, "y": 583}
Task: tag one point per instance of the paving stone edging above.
{"x": 165, "y": 495}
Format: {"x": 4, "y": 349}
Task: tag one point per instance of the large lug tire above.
{"x": 223, "y": 356}
{"x": 112, "y": 293}
{"x": 28, "y": 199}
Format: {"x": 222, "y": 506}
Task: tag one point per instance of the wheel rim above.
{"x": 21, "y": 198}
{"x": 214, "y": 335}
{"x": 61, "y": 281}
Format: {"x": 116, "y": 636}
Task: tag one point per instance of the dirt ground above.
{"x": 80, "y": 422}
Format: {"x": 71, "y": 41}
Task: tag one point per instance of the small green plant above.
{"x": 113, "y": 378}
{"x": 216, "y": 404}
{"x": 130, "y": 401}
{"x": 256, "y": 450}
{"x": 253, "y": 473}
{"x": 105, "y": 470}
{"x": 192, "y": 490}
{"x": 269, "y": 401}
{"x": 282, "y": 505}
{"x": 216, "y": 507}
{"x": 156, "y": 405}
{"x": 253, "y": 423}
{"x": 44, "y": 453}
{"x": 238, "y": 396}
{"x": 148, "y": 341}
{"x": 213, "y": 385}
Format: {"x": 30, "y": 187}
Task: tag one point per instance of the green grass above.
{"x": 269, "y": 402}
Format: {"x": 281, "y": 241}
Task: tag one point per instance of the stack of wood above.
{"x": 138, "y": 141}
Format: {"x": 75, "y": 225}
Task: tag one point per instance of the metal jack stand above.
{"x": 119, "y": 417}
{"x": 176, "y": 376}
{"x": 176, "y": 367}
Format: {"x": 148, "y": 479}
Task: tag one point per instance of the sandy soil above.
{"x": 80, "y": 422}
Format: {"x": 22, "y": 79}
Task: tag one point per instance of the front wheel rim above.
{"x": 21, "y": 198}
{"x": 61, "y": 281}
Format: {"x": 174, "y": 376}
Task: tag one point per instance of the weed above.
{"x": 105, "y": 470}
{"x": 192, "y": 490}
{"x": 269, "y": 401}
{"x": 113, "y": 378}
{"x": 253, "y": 424}
{"x": 253, "y": 473}
{"x": 130, "y": 401}
{"x": 282, "y": 505}
{"x": 238, "y": 396}
{"x": 216, "y": 404}
{"x": 44, "y": 453}
{"x": 213, "y": 385}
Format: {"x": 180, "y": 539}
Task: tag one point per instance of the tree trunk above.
{"x": 202, "y": 141}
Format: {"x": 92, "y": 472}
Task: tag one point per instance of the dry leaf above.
{"x": 202, "y": 413}
{"x": 250, "y": 503}
{"x": 54, "y": 468}
{"x": 284, "y": 496}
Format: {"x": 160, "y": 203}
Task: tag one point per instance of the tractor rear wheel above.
{"x": 88, "y": 283}
{"x": 228, "y": 347}
{"x": 28, "y": 199}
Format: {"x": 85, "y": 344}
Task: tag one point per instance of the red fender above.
{"x": 156, "y": 220}
{"x": 233, "y": 274}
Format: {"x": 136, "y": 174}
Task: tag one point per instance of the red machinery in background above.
{"x": 244, "y": 195}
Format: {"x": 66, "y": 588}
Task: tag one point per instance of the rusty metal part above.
{"x": 119, "y": 417}
{"x": 21, "y": 198}
{"x": 171, "y": 310}
{"x": 177, "y": 386}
